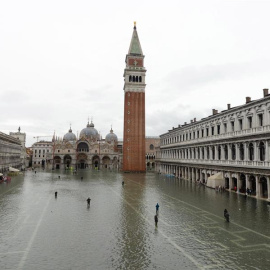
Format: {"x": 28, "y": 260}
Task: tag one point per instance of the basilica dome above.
{"x": 69, "y": 136}
{"x": 111, "y": 137}
{"x": 89, "y": 132}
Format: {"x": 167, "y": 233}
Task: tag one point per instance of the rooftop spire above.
{"x": 135, "y": 46}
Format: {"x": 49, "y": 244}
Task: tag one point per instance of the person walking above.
{"x": 156, "y": 220}
{"x": 55, "y": 194}
{"x": 226, "y": 215}
{"x": 157, "y": 208}
{"x": 88, "y": 201}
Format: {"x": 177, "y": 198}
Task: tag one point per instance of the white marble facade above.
{"x": 235, "y": 142}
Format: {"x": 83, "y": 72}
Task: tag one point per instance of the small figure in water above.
{"x": 88, "y": 201}
{"x": 123, "y": 183}
{"x": 226, "y": 215}
{"x": 156, "y": 219}
{"x": 157, "y": 208}
{"x": 55, "y": 194}
{"x": 59, "y": 176}
{"x": 81, "y": 178}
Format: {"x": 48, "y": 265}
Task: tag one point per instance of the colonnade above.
{"x": 257, "y": 184}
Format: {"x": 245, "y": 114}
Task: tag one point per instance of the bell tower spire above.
{"x": 134, "y": 107}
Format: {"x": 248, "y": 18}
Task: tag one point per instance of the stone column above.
{"x": 266, "y": 151}
{"x": 247, "y": 181}
{"x": 258, "y": 188}
{"x": 256, "y": 151}
{"x": 237, "y": 149}
{"x": 268, "y": 187}
{"x": 238, "y": 181}
{"x": 230, "y": 181}
{"x": 216, "y": 152}
{"x": 229, "y": 151}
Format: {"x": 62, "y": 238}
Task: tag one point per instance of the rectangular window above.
{"x": 47, "y": 150}
{"x": 58, "y": 151}
{"x": 39, "y": 151}
{"x": 218, "y": 129}
{"x": 190, "y": 135}
{"x": 194, "y": 135}
{"x": 198, "y": 134}
{"x": 240, "y": 124}
{"x": 260, "y": 116}
{"x": 250, "y": 122}
{"x": 35, "y": 151}
{"x": 225, "y": 127}
{"x": 213, "y": 130}
{"x": 207, "y": 132}
{"x": 202, "y": 133}
{"x": 232, "y": 125}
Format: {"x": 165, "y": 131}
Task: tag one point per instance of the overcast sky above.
{"x": 63, "y": 61}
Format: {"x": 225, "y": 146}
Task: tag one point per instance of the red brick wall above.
{"x": 134, "y": 132}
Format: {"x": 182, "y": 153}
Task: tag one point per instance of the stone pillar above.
{"x": 258, "y": 188}
{"x": 229, "y": 151}
{"x": 247, "y": 181}
{"x": 222, "y": 156}
{"x": 237, "y": 149}
{"x": 266, "y": 151}
{"x": 268, "y": 187}
{"x": 216, "y": 152}
{"x": 238, "y": 181}
{"x": 230, "y": 181}
{"x": 245, "y": 151}
{"x": 256, "y": 151}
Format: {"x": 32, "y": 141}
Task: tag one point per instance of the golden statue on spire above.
{"x": 134, "y": 24}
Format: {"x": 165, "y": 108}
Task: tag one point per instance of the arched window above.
{"x": 203, "y": 153}
{"x": 262, "y": 151}
{"x": 207, "y": 152}
{"x": 133, "y": 79}
{"x": 151, "y": 147}
{"x": 213, "y": 153}
{"x": 198, "y": 153}
{"x": 219, "y": 153}
{"x": 251, "y": 151}
{"x": 130, "y": 78}
{"x": 233, "y": 152}
{"x": 226, "y": 152}
{"x": 140, "y": 79}
{"x": 242, "y": 152}
{"x": 137, "y": 79}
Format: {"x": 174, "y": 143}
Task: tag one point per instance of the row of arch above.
{"x": 245, "y": 183}
{"x": 220, "y": 152}
{"x": 135, "y": 78}
{"x": 82, "y": 161}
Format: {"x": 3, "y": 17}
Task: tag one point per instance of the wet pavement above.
{"x": 117, "y": 231}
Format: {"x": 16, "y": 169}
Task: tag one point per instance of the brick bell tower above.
{"x": 134, "y": 108}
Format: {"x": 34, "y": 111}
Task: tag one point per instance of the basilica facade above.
{"x": 87, "y": 151}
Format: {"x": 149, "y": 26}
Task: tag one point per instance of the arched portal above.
{"x": 106, "y": 162}
{"x": 263, "y": 187}
{"x": 243, "y": 183}
{"x": 252, "y": 184}
{"x": 67, "y": 161}
{"x": 82, "y": 161}
{"x": 57, "y": 162}
{"x": 96, "y": 162}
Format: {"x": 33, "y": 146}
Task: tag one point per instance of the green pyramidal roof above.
{"x": 135, "y": 46}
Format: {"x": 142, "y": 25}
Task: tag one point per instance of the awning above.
{"x": 13, "y": 169}
{"x": 215, "y": 180}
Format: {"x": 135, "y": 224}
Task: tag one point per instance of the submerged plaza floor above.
{"x": 117, "y": 231}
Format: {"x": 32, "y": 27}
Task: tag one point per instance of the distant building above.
{"x": 22, "y": 138}
{"x": 41, "y": 153}
{"x": 89, "y": 151}
{"x": 10, "y": 152}
{"x": 233, "y": 143}
{"x": 151, "y": 146}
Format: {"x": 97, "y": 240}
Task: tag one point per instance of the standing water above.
{"x": 117, "y": 231}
